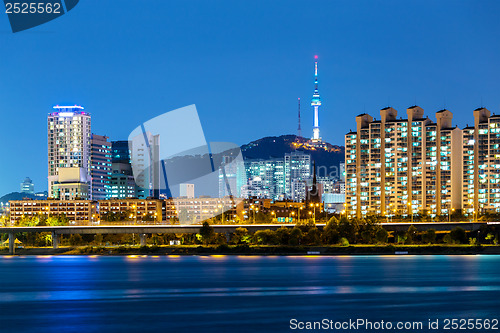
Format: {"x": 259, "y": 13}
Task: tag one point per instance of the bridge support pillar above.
{"x": 228, "y": 236}
{"x": 55, "y": 240}
{"x": 142, "y": 238}
{"x": 12, "y": 244}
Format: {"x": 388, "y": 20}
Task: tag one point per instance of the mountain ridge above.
{"x": 273, "y": 147}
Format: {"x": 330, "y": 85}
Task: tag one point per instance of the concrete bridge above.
{"x": 144, "y": 230}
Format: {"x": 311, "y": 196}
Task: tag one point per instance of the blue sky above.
{"x": 243, "y": 63}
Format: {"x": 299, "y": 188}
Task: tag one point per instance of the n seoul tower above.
{"x": 316, "y": 103}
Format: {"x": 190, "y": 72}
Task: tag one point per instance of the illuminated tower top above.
{"x": 316, "y": 100}
{"x": 315, "y": 103}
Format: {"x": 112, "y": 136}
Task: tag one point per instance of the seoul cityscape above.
{"x": 250, "y": 166}
{"x": 412, "y": 170}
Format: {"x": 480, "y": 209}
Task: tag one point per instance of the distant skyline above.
{"x": 243, "y": 64}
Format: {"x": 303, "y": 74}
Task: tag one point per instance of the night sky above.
{"x": 243, "y": 63}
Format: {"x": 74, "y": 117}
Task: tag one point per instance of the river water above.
{"x": 244, "y": 293}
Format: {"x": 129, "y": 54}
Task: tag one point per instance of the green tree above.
{"x": 411, "y": 235}
{"x": 381, "y": 235}
{"x": 98, "y": 239}
{"x": 344, "y": 241}
{"x": 283, "y": 235}
{"x": 331, "y": 232}
{"x": 3, "y": 221}
{"x": 265, "y": 237}
{"x": 207, "y": 233}
{"x": 348, "y": 229}
{"x": 262, "y": 217}
{"x": 27, "y": 221}
{"x": 240, "y": 236}
{"x": 447, "y": 239}
{"x": 429, "y": 237}
{"x": 58, "y": 220}
{"x": 75, "y": 240}
{"x": 459, "y": 236}
{"x": 305, "y": 226}
{"x": 295, "y": 236}
{"x": 312, "y": 237}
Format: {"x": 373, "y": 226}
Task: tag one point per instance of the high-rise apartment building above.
{"x": 69, "y": 130}
{"x": 403, "y": 166}
{"x": 100, "y": 168}
{"x": 481, "y": 163}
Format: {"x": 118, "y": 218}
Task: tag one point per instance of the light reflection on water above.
{"x": 252, "y": 293}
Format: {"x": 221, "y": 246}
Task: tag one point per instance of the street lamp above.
{"x": 410, "y": 211}
{"x": 449, "y": 215}
{"x": 253, "y": 212}
{"x": 222, "y": 212}
{"x": 314, "y": 206}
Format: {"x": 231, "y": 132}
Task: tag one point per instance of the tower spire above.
{"x": 316, "y": 103}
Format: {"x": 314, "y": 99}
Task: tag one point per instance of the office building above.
{"x": 266, "y": 179}
{"x": 297, "y": 174}
{"x": 69, "y": 129}
{"x": 27, "y": 186}
{"x": 146, "y": 164}
{"x": 100, "y": 167}
{"x": 278, "y": 179}
{"x": 398, "y": 166}
{"x": 122, "y": 182}
{"x": 120, "y": 151}
{"x": 232, "y": 177}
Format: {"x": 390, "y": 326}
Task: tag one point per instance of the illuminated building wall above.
{"x": 138, "y": 210}
{"x": 481, "y": 163}
{"x": 79, "y": 212}
{"x": 297, "y": 175}
{"x": 68, "y": 131}
{"x": 278, "y": 179}
{"x": 403, "y": 166}
{"x": 100, "y": 167}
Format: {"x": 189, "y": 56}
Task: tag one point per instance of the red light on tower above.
{"x": 315, "y": 57}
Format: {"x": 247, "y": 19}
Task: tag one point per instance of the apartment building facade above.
{"x": 397, "y": 166}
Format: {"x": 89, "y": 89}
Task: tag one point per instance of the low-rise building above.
{"x": 79, "y": 212}
{"x": 138, "y": 210}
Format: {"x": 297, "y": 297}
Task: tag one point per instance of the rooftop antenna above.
{"x": 299, "y": 130}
